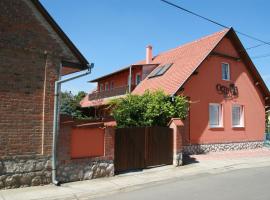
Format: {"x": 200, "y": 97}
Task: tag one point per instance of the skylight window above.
{"x": 160, "y": 70}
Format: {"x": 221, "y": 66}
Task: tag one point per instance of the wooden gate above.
{"x": 140, "y": 147}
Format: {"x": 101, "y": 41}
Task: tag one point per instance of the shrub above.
{"x": 149, "y": 109}
{"x": 70, "y": 105}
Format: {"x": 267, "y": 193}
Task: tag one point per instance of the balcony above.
{"x": 110, "y": 93}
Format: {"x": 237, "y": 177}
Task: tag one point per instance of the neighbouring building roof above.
{"x": 83, "y": 63}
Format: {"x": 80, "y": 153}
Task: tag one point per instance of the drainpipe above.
{"x": 129, "y": 79}
{"x": 57, "y": 91}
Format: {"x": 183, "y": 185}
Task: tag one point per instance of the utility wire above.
{"x": 255, "y": 46}
{"x": 261, "y": 56}
{"x": 217, "y": 23}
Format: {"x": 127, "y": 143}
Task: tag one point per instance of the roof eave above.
{"x": 118, "y": 71}
{"x": 244, "y": 54}
{"x": 83, "y": 61}
{"x": 179, "y": 88}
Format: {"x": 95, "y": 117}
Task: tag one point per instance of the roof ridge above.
{"x": 162, "y": 53}
{"x": 194, "y": 41}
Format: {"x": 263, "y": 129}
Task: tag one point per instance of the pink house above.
{"x": 228, "y": 97}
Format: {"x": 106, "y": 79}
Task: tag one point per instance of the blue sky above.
{"x": 114, "y": 33}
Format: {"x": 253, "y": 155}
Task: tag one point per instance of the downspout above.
{"x": 57, "y": 91}
{"x": 129, "y": 80}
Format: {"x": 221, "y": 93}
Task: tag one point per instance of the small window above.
{"x": 128, "y": 80}
{"x": 160, "y": 70}
{"x": 237, "y": 116}
{"x": 215, "y": 115}
{"x": 225, "y": 71}
{"x": 138, "y": 79}
{"x": 100, "y": 87}
{"x": 112, "y": 85}
{"x": 107, "y": 86}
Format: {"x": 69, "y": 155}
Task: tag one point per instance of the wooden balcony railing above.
{"x": 109, "y": 93}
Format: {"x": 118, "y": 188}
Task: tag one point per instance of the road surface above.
{"x": 246, "y": 184}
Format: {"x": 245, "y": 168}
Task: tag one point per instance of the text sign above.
{"x": 227, "y": 91}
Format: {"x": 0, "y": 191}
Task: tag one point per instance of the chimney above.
{"x": 149, "y": 54}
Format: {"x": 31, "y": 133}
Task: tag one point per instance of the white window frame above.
{"x": 220, "y": 106}
{"x": 229, "y": 71}
{"x": 112, "y": 85}
{"x": 128, "y": 81}
{"x": 101, "y": 87}
{"x": 107, "y": 86}
{"x": 242, "y": 116}
{"x": 136, "y": 80}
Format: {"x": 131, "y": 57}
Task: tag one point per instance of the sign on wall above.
{"x": 230, "y": 91}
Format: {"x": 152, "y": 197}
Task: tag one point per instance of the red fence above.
{"x": 87, "y": 142}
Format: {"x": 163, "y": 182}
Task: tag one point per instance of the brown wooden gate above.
{"x": 142, "y": 147}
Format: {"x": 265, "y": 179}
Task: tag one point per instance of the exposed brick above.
{"x": 24, "y": 37}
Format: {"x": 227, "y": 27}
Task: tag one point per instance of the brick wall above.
{"x": 22, "y": 104}
{"x": 30, "y": 56}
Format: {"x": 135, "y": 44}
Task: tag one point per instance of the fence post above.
{"x": 178, "y": 126}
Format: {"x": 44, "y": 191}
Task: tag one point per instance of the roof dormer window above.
{"x": 160, "y": 70}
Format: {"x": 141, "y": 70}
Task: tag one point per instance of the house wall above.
{"x": 30, "y": 57}
{"x": 201, "y": 89}
{"x": 121, "y": 79}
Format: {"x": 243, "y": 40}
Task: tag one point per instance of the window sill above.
{"x": 216, "y": 127}
{"x": 238, "y": 127}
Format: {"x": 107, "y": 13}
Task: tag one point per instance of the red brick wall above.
{"x": 27, "y": 77}
{"x": 22, "y": 83}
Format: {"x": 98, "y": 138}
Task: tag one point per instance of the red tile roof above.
{"x": 185, "y": 59}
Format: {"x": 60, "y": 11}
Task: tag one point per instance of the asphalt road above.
{"x": 246, "y": 184}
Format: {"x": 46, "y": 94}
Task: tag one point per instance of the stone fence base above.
{"x": 22, "y": 171}
{"x": 205, "y": 148}
{"x": 86, "y": 170}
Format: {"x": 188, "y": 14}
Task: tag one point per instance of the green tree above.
{"x": 70, "y": 104}
{"x": 149, "y": 109}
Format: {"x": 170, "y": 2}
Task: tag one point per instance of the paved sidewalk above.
{"x": 202, "y": 164}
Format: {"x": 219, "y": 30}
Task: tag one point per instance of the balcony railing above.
{"x": 110, "y": 93}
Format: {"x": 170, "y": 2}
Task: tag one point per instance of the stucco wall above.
{"x": 121, "y": 79}
{"x": 201, "y": 89}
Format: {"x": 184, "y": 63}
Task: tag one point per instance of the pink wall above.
{"x": 201, "y": 89}
{"x": 121, "y": 78}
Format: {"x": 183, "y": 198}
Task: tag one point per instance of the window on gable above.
{"x": 225, "y": 71}
{"x": 160, "y": 70}
{"x": 215, "y": 115}
{"x": 237, "y": 116}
